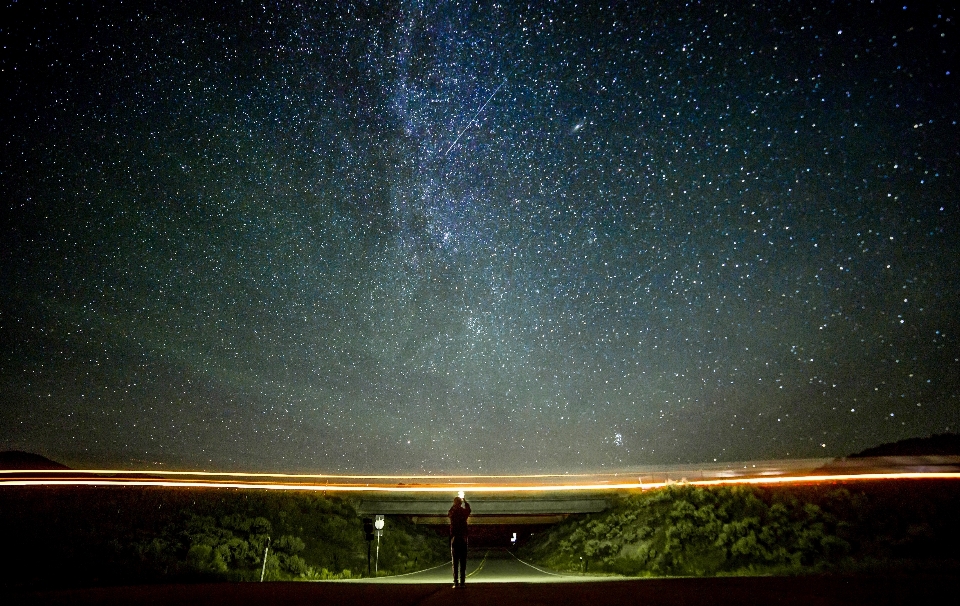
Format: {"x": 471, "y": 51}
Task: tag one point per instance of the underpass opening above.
{"x": 500, "y": 535}
{"x": 495, "y": 522}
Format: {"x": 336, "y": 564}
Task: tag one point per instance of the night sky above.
{"x": 476, "y": 237}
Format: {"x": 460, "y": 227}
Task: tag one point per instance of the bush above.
{"x": 686, "y": 530}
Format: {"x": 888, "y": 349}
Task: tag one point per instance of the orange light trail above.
{"x": 480, "y": 484}
{"x": 321, "y": 476}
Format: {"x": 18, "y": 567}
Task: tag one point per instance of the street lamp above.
{"x": 378, "y": 524}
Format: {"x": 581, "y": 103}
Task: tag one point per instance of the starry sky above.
{"x": 487, "y": 237}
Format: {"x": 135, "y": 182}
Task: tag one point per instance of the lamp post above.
{"x": 378, "y": 524}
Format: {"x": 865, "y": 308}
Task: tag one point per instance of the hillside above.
{"x": 942, "y": 444}
{"x": 17, "y": 459}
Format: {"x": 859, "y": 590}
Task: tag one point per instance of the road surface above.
{"x": 725, "y": 591}
{"x": 486, "y": 566}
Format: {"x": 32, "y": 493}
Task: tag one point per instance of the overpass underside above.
{"x": 492, "y": 520}
{"x": 485, "y": 509}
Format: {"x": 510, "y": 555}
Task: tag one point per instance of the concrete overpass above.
{"x": 486, "y": 510}
{"x": 494, "y": 520}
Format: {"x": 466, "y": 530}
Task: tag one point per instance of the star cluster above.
{"x": 477, "y": 237}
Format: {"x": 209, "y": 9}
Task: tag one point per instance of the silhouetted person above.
{"x": 458, "y": 515}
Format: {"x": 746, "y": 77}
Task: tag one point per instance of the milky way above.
{"x": 458, "y": 237}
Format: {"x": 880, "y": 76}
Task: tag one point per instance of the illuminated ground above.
{"x": 485, "y": 566}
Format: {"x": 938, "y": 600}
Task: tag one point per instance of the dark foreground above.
{"x": 808, "y": 591}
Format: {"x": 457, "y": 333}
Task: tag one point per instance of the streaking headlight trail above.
{"x": 766, "y": 473}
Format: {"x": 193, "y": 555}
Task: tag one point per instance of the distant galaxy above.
{"x": 480, "y": 237}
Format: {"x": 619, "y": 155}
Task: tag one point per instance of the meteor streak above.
{"x": 454, "y": 144}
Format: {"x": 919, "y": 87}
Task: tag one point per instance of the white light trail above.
{"x": 473, "y": 119}
{"x": 471, "y": 486}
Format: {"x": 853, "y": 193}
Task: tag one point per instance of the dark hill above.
{"x": 941, "y": 444}
{"x": 17, "y": 459}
